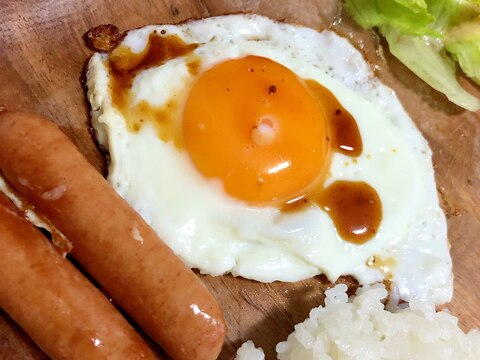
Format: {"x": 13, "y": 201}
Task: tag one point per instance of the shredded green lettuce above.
{"x": 410, "y": 17}
{"x": 429, "y": 36}
{"x": 463, "y": 43}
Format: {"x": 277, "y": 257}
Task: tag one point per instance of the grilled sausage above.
{"x": 110, "y": 240}
{"x": 54, "y": 303}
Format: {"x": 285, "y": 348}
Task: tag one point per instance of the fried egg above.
{"x": 270, "y": 151}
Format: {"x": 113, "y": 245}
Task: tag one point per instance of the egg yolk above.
{"x": 258, "y": 127}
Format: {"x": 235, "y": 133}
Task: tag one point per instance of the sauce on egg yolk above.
{"x": 266, "y": 133}
{"x": 255, "y": 125}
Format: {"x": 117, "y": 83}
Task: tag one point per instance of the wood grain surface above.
{"x": 42, "y": 57}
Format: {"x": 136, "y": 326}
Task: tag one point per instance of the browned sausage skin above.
{"x": 51, "y": 300}
{"x": 110, "y": 240}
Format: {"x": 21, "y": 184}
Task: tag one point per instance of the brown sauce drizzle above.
{"x": 345, "y": 136}
{"x": 162, "y": 118}
{"x": 354, "y": 207}
{"x": 124, "y": 65}
{"x": 384, "y": 265}
{"x": 193, "y": 65}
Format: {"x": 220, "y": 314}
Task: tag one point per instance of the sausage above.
{"x": 54, "y": 303}
{"x": 110, "y": 240}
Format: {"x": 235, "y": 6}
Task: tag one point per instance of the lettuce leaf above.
{"x": 409, "y": 16}
{"x": 463, "y": 43}
{"x": 428, "y": 36}
{"x": 430, "y": 64}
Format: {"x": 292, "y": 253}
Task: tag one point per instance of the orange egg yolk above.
{"x": 258, "y": 127}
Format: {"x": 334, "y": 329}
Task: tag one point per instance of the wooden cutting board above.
{"x": 42, "y": 56}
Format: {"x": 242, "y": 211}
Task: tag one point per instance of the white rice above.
{"x": 248, "y": 351}
{"x": 361, "y": 328}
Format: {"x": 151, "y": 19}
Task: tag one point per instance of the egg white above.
{"x": 216, "y": 233}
